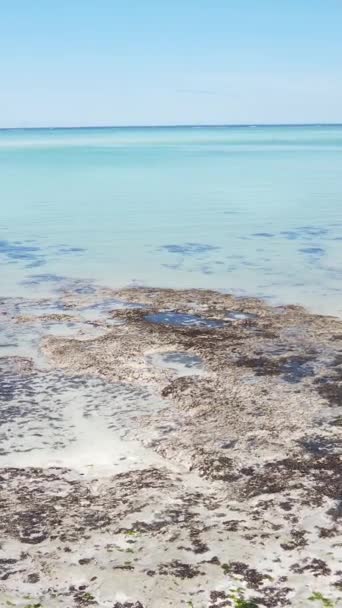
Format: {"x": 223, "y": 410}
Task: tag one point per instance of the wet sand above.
{"x": 165, "y": 448}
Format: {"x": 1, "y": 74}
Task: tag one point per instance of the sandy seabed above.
{"x": 164, "y": 448}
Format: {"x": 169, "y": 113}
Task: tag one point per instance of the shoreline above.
{"x": 225, "y": 478}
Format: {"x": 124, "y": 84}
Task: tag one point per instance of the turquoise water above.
{"x": 252, "y": 210}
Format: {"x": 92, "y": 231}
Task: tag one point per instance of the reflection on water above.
{"x": 177, "y": 319}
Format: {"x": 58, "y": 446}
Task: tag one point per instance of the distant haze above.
{"x": 153, "y": 62}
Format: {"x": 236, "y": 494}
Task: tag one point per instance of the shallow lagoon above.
{"x": 254, "y": 211}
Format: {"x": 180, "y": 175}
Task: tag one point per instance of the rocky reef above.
{"x": 166, "y": 448}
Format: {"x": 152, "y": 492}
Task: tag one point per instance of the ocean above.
{"x": 249, "y": 210}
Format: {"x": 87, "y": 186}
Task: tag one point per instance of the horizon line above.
{"x": 175, "y": 126}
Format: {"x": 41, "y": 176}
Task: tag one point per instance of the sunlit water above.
{"x": 254, "y": 211}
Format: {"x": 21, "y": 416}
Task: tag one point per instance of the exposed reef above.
{"x": 166, "y": 448}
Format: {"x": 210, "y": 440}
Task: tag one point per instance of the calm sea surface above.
{"x": 252, "y": 210}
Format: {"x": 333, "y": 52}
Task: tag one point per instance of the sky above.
{"x": 151, "y": 62}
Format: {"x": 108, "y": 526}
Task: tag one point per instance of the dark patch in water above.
{"x": 315, "y": 251}
{"x": 85, "y": 289}
{"x": 291, "y": 235}
{"x": 334, "y": 272}
{"x": 36, "y": 264}
{"x": 172, "y": 266}
{"x": 188, "y": 361}
{"x": 301, "y": 232}
{"x": 65, "y": 250}
{"x": 190, "y": 248}
{"x": 249, "y": 264}
{"x": 36, "y": 279}
{"x": 33, "y": 255}
{"x": 313, "y": 230}
{"x": 206, "y": 270}
{"x": 17, "y": 252}
{"x": 177, "y": 319}
{"x": 264, "y": 234}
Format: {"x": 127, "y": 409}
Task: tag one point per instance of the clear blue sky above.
{"x": 99, "y": 62}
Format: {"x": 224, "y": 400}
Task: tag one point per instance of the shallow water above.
{"x": 183, "y": 364}
{"x": 48, "y": 419}
{"x": 177, "y": 319}
{"x": 254, "y": 211}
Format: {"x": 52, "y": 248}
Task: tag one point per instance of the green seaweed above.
{"x": 239, "y": 600}
{"x": 242, "y": 603}
{"x": 87, "y": 597}
{"x": 319, "y": 597}
{"x": 131, "y": 532}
